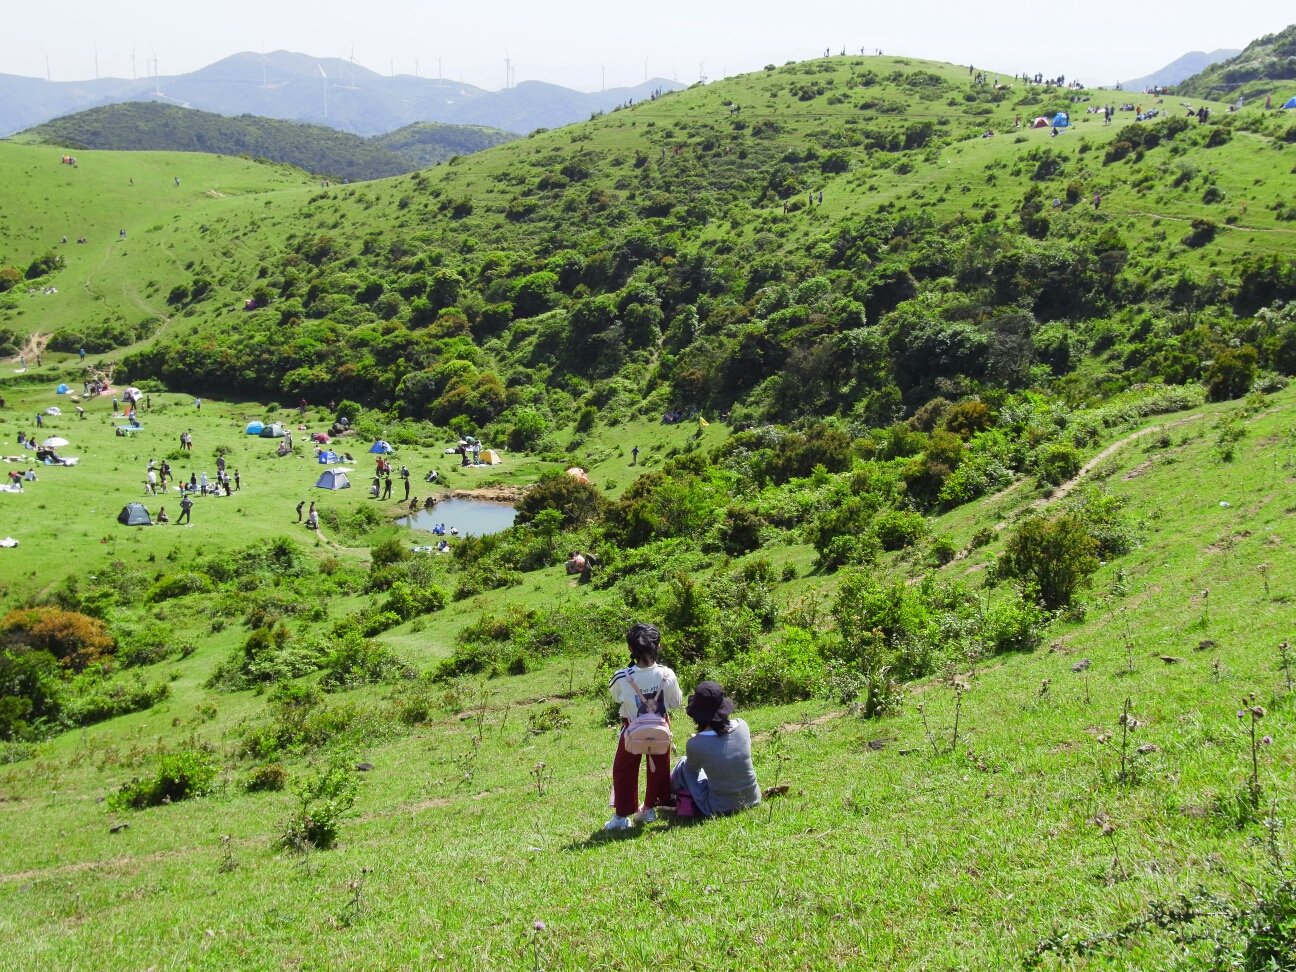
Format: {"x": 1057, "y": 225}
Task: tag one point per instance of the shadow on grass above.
{"x": 667, "y": 821}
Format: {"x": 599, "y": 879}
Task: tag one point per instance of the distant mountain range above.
{"x": 325, "y": 91}
{"x": 1178, "y": 70}
{"x": 144, "y": 126}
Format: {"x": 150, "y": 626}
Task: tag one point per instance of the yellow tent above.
{"x": 491, "y": 457}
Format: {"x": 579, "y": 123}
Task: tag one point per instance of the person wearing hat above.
{"x": 716, "y": 769}
{"x": 638, "y": 686}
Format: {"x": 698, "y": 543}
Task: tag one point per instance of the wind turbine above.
{"x": 157, "y": 77}
{"x": 96, "y": 50}
{"x": 701, "y": 66}
{"x": 47, "y": 68}
{"x": 416, "y": 66}
{"x": 439, "y": 56}
{"x": 645, "y": 69}
{"x": 133, "y": 62}
{"x": 603, "y": 68}
{"x": 325, "y": 77}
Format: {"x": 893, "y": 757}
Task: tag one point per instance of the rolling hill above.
{"x": 958, "y": 451}
{"x": 1267, "y": 66}
{"x": 288, "y": 85}
{"x": 149, "y": 126}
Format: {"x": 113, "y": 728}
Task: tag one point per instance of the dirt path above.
{"x": 1189, "y": 219}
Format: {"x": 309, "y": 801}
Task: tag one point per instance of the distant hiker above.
{"x": 405, "y": 479}
{"x": 198, "y": 404}
{"x": 177, "y": 179}
{"x": 387, "y": 488}
{"x": 186, "y": 504}
{"x": 220, "y": 463}
{"x": 80, "y": 412}
{"x": 132, "y": 182}
{"x": 236, "y": 480}
{"x": 635, "y": 456}
{"x": 1097, "y": 199}
{"x": 122, "y": 234}
{"x": 152, "y": 482}
{"x": 40, "y": 422}
{"x": 715, "y": 774}
{"x": 312, "y": 519}
{"x": 300, "y": 507}
{"x": 83, "y": 354}
{"x": 646, "y": 692}
{"x": 820, "y": 197}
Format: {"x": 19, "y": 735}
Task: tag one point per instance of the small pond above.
{"x": 477, "y": 517}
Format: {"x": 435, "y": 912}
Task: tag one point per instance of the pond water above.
{"x": 471, "y": 516}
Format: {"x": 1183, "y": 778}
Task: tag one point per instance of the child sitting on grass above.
{"x": 642, "y": 687}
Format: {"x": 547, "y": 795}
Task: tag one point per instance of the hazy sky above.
{"x": 570, "y": 41}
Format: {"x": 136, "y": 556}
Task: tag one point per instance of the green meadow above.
{"x": 980, "y": 507}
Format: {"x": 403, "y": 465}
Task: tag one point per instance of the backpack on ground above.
{"x": 648, "y": 734}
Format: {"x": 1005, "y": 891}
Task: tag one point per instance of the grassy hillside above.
{"x": 1266, "y": 67}
{"x": 148, "y": 126}
{"x": 428, "y": 143}
{"x": 891, "y": 849}
{"x": 975, "y": 505}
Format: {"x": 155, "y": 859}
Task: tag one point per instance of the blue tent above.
{"x": 330, "y": 456}
{"x": 254, "y": 428}
{"x": 381, "y": 446}
{"x": 1060, "y": 120}
{"x": 61, "y": 390}
{"x": 1291, "y": 102}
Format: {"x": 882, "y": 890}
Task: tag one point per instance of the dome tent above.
{"x": 490, "y": 457}
{"x": 275, "y": 431}
{"x": 61, "y": 390}
{"x": 1061, "y": 119}
{"x": 134, "y": 514}
{"x": 1291, "y": 102}
{"x": 333, "y": 479}
{"x": 327, "y": 457}
{"x": 381, "y": 447}
{"x": 1040, "y": 122}
{"x": 255, "y": 427}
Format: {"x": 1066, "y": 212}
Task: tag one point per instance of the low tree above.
{"x": 1051, "y": 557}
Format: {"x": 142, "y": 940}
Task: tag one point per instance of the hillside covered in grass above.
{"x": 961, "y": 462}
{"x": 1266, "y": 67}
{"x": 145, "y": 126}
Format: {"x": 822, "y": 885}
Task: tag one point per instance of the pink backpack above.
{"x": 649, "y": 734}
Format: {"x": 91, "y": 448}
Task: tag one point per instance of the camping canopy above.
{"x": 329, "y": 456}
{"x": 1040, "y": 122}
{"x": 333, "y": 479}
{"x": 381, "y": 446}
{"x": 134, "y": 514}
{"x": 491, "y": 457}
{"x": 61, "y": 390}
{"x": 54, "y": 442}
{"x": 275, "y": 431}
{"x": 1291, "y": 102}
{"x": 254, "y": 428}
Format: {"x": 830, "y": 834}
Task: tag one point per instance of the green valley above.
{"x": 958, "y": 450}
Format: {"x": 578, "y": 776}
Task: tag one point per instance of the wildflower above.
{"x": 1267, "y": 740}
{"x": 539, "y": 926}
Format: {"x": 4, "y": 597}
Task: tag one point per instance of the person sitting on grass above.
{"x": 575, "y": 562}
{"x": 716, "y": 769}
{"x": 640, "y": 688}
{"x": 162, "y": 517}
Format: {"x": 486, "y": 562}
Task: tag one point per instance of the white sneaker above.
{"x": 617, "y": 823}
{"x": 645, "y": 816}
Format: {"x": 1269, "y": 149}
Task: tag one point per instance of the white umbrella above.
{"x": 54, "y": 442}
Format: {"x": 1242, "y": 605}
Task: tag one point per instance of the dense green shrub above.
{"x": 323, "y": 799}
{"x": 897, "y": 529}
{"x": 1051, "y": 557}
{"x": 181, "y": 775}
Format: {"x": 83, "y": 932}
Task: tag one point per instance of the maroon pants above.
{"x": 625, "y": 780}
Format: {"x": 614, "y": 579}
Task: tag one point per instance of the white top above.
{"x": 649, "y": 680}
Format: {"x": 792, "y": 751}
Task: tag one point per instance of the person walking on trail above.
{"x": 300, "y": 506}
{"x": 83, "y": 354}
{"x": 645, "y": 692}
{"x": 186, "y": 504}
{"x": 634, "y": 453}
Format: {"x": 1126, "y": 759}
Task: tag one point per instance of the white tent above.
{"x": 333, "y": 479}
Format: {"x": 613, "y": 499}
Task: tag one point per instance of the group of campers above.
{"x": 715, "y": 775}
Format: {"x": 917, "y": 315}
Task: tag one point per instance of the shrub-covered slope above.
{"x": 1267, "y": 66}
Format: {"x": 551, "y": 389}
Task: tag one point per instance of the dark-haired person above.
{"x": 716, "y": 768}
{"x": 639, "y": 688}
